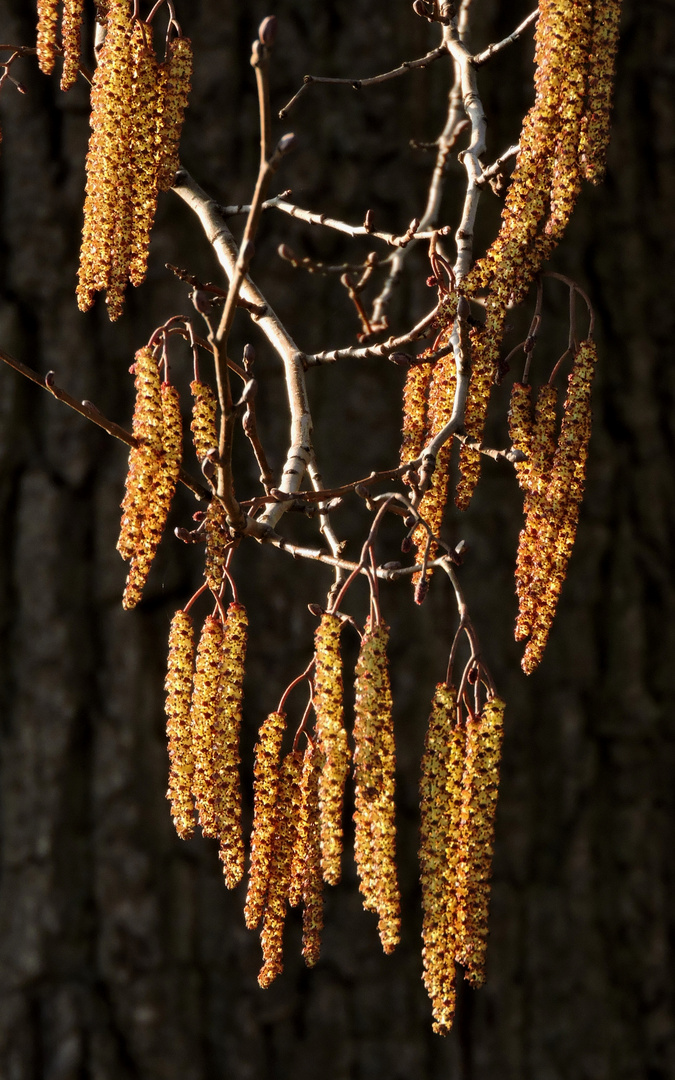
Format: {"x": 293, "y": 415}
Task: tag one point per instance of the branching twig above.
{"x": 492, "y": 50}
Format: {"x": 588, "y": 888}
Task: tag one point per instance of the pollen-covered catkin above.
{"x": 71, "y": 32}
{"x": 283, "y": 842}
{"x": 440, "y": 805}
{"x": 176, "y": 90}
{"x": 480, "y": 786}
{"x": 203, "y": 426}
{"x": 415, "y": 393}
{"x": 332, "y": 742}
{"x": 48, "y": 16}
{"x": 265, "y": 785}
{"x": 520, "y": 428}
{"x": 179, "y": 734}
{"x": 306, "y": 883}
{"x": 217, "y": 543}
{"x": 374, "y": 767}
{"x": 203, "y": 723}
{"x": 485, "y": 344}
{"x": 532, "y": 542}
{"x": 144, "y": 171}
{"x": 226, "y": 744}
{"x": 441, "y": 393}
{"x": 596, "y": 121}
{"x": 562, "y": 501}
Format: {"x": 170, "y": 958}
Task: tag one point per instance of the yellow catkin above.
{"x": 178, "y": 687}
{"x": 144, "y": 460}
{"x": 108, "y": 207}
{"x": 545, "y": 182}
{"x": 440, "y": 805}
{"x": 203, "y": 722}
{"x": 71, "y": 33}
{"x": 48, "y": 15}
{"x": 226, "y": 744}
{"x": 332, "y": 741}
{"x": 148, "y": 500}
{"x": 265, "y": 787}
{"x": 203, "y": 426}
{"x": 485, "y": 345}
{"x": 283, "y": 842}
{"x": 520, "y": 428}
{"x": 532, "y": 537}
{"x": 145, "y": 158}
{"x": 562, "y": 500}
{"x": 306, "y": 882}
{"x": 476, "y": 837}
{"x": 596, "y": 120}
{"x": 415, "y": 393}
{"x": 217, "y": 543}
{"x": 374, "y": 767}
{"x": 441, "y": 397}
{"x": 176, "y": 90}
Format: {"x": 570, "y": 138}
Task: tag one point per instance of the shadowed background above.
{"x": 122, "y": 955}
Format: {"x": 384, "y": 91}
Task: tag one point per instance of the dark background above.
{"x": 122, "y": 955}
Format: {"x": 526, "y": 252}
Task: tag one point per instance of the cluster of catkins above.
{"x": 297, "y": 833}
{"x": 48, "y": 38}
{"x": 138, "y": 106}
{"x": 154, "y": 468}
{"x": 564, "y": 139}
{"x": 552, "y": 478}
{"x": 460, "y": 780}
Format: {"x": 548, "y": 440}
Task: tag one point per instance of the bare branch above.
{"x": 492, "y": 50}
{"x": 374, "y": 80}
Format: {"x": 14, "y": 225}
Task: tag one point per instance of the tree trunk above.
{"x": 123, "y": 956}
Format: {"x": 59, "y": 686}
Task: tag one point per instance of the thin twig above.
{"x": 373, "y": 80}
{"x": 492, "y": 50}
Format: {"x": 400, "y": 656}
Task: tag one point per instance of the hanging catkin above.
{"x": 332, "y": 742}
{"x": 374, "y": 766}
{"x": 226, "y": 744}
{"x": 178, "y": 729}
{"x": 283, "y": 842}
{"x": 440, "y": 805}
{"x": 480, "y": 786}
{"x": 306, "y": 882}
{"x": 203, "y": 723}
{"x": 265, "y": 787}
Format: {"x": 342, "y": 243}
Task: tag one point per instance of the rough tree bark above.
{"x": 122, "y": 955}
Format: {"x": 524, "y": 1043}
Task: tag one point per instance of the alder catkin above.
{"x": 306, "y": 882}
{"x": 332, "y": 742}
{"x": 48, "y": 15}
{"x": 520, "y": 429}
{"x": 265, "y": 787}
{"x": 480, "y": 786}
{"x": 203, "y": 426}
{"x": 596, "y": 121}
{"x": 283, "y": 842}
{"x": 71, "y": 33}
{"x": 178, "y": 687}
{"x": 145, "y": 165}
{"x": 485, "y": 345}
{"x": 174, "y": 100}
{"x": 204, "y": 722}
{"x": 440, "y": 806}
{"x": 217, "y": 543}
{"x": 374, "y": 767}
{"x": 226, "y": 744}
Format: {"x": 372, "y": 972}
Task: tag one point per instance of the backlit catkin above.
{"x": 265, "y": 787}
{"x": 306, "y": 882}
{"x": 332, "y": 742}
{"x": 595, "y": 123}
{"x": 440, "y": 805}
{"x": 179, "y": 734}
{"x": 561, "y": 501}
{"x": 48, "y": 16}
{"x": 374, "y": 767}
{"x": 283, "y": 842}
{"x": 480, "y": 786}
{"x": 204, "y": 723}
{"x": 203, "y": 426}
{"x": 226, "y": 744}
